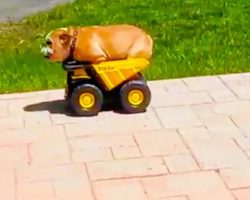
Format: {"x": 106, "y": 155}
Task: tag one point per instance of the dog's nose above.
{"x": 46, "y": 51}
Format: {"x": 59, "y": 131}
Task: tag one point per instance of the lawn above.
{"x": 192, "y": 37}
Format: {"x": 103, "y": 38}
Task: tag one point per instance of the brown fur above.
{"x": 100, "y": 43}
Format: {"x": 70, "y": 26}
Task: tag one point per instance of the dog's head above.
{"x": 58, "y": 44}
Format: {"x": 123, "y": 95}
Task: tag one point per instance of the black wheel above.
{"x": 135, "y": 96}
{"x": 86, "y": 100}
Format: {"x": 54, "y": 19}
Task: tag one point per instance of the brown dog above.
{"x": 98, "y": 43}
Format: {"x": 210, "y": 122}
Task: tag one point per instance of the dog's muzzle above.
{"x": 46, "y": 51}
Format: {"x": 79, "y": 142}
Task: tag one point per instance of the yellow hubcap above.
{"x": 135, "y": 97}
{"x": 87, "y": 100}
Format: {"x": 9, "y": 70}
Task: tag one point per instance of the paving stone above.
{"x": 38, "y": 190}
{"x": 222, "y": 127}
{"x": 28, "y": 174}
{"x": 173, "y": 198}
{"x": 234, "y": 77}
{"x": 7, "y": 183}
{"x": 206, "y": 83}
{"x": 101, "y": 141}
{"x": 123, "y": 152}
{"x": 240, "y": 88}
{"x": 215, "y": 195}
{"x": 195, "y": 133}
{"x": 3, "y": 108}
{"x": 243, "y": 122}
{"x": 179, "y": 99}
{"x": 120, "y": 123}
{"x": 204, "y": 111}
{"x": 76, "y": 188}
{"x": 237, "y": 177}
{"x": 126, "y": 168}
{"x": 37, "y": 119}
{"x": 242, "y": 194}
{"x": 244, "y": 143}
{"x": 176, "y": 86}
{"x": 193, "y": 183}
{"x": 23, "y": 105}
{"x": 11, "y": 122}
{"x": 218, "y": 153}
{"x": 51, "y": 149}
{"x": 181, "y": 163}
{"x": 248, "y": 153}
{"x": 160, "y": 143}
{"x": 92, "y": 155}
{"x": 119, "y": 189}
{"x": 232, "y": 108}
{"x": 26, "y": 136}
{"x": 178, "y": 117}
{"x": 13, "y": 156}
{"x": 222, "y": 95}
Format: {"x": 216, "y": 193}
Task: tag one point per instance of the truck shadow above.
{"x": 62, "y": 107}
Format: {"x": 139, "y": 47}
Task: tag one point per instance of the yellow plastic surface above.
{"x": 86, "y": 100}
{"x": 113, "y": 73}
{"x": 135, "y": 97}
{"x": 80, "y": 73}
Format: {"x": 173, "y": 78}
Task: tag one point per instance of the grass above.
{"x": 192, "y": 37}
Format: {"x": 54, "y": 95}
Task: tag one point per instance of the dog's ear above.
{"x": 65, "y": 39}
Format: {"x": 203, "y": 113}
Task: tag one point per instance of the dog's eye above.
{"x": 48, "y": 42}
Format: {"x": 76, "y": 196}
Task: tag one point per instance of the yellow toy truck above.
{"x": 88, "y": 85}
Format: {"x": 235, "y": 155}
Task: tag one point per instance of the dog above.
{"x": 97, "y": 44}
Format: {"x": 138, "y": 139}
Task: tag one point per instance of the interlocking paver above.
{"x": 160, "y": 143}
{"x": 7, "y": 183}
{"x": 222, "y": 127}
{"x": 13, "y": 156}
{"x": 179, "y": 99}
{"x": 218, "y": 153}
{"x": 215, "y": 195}
{"x": 240, "y": 88}
{"x": 26, "y": 174}
{"x": 173, "y": 198}
{"x": 120, "y": 124}
{"x": 178, "y": 117}
{"x": 37, "y": 119}
{"x": 195, "y": 133}
{"x": 244, "y": 143}
{"x": 119, "y": 189}
{"x": 191, "y": 144}
{"x": 11, "y": 122}
{"x": 243, "y": 122}
{"x": 222, "y": 95}
{"x": 242, "y": 194}
{"x": 236, "y": 177}
{"x": 176, "y": 86}
{"x": 126, "y": 168}
{"x": 194, "y": 183}
{"x": 101, "y": 141}
{"x": 3, "y": 108}
{"x": 75, "y": 188}
{"x": 38, "y": 190}
{"x": 204, "y": 83}
{"x": 92, "y": 155}
{"x": 181, "y": 163}
{"x": 122, "y": 152}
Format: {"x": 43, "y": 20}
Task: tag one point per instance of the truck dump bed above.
{"x": 113, "y": 73}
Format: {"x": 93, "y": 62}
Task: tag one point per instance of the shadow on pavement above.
{"x": 62, "y": 107}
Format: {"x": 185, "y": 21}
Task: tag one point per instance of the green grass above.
{"x": 192, "y": 37}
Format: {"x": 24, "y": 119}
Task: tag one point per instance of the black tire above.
{"x": 75, "y": 101}
{"x": 125, "y": 91}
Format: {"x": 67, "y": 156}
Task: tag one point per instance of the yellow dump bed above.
{"x": 113, "y": 73}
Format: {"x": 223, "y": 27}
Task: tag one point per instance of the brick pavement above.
{"x": 193, "y": 143}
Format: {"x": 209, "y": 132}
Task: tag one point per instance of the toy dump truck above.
{"x": 88, "y": 85}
